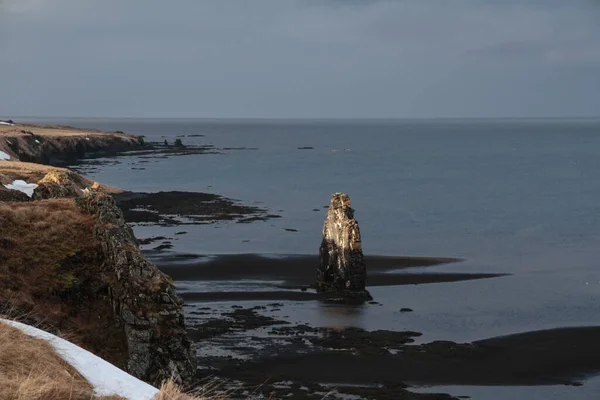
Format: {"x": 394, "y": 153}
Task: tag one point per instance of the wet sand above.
{"x": 558, "y": 356}
{"x": 297, "y": 272}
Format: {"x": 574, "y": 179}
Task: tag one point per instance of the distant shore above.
{"x": 59, "y": 145}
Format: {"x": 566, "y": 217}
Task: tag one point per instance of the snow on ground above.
{"x": 104, "y": 377}
{"x": 22, "y": 186}
{"x": 4, "y": 156}
{"x": 6, "y": 123}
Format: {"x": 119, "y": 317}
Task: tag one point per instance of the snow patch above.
{"x": 105, "y": 378}
{"x": 37, "y": 141}
{"x": 22, "y": 186}
{"x": 6, "y": 123}
{"x": 4, "y": 156}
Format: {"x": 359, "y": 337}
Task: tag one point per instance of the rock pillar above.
{"x": 342, "y": 271}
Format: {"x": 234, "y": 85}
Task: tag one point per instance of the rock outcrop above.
{"x": 342, "y": 271}
{"x": 58, "y": 184}
{"x": 102, "y": 279}
{"x": 143, "y": 299}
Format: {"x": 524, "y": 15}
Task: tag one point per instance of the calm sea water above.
{"x": 514, "y": 196}
{"x": 508, "y": 194}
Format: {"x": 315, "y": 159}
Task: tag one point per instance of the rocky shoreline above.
{"x": 248, "y": 340}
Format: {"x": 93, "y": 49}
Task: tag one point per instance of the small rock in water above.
{"x": 406, "y": 310}
{"x": 290, "y": 230}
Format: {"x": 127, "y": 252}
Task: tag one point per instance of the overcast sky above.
{"x": 300, "y": 58}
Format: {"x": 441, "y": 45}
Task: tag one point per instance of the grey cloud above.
{"x": 272, "y": 58}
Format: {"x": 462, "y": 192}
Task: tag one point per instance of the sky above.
{"x": 300, "y": 58}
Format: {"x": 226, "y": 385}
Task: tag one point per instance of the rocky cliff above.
{"x": 61, "y": 145}
{"x": 68, "y": 261}
{"x": 142, "y": 298}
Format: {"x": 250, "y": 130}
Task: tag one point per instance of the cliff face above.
{"x": 57, "y": 146}
{"x": 71, "y": 263}
{"x": 143, "y": 299}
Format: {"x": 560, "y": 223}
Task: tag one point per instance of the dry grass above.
{"x": 30, "y": 172}
{"x": 53, "y": 131}
{"x": 33, "y": 173}
{"x": 36, "y": 236}
{"x": 30, "y": 369}
{"x": 45, "y": 246}
{"x": 170, "y": 391}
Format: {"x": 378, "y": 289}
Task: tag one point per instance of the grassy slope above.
{"x": 44, "y": 246}
{"x": 30, "y": 369}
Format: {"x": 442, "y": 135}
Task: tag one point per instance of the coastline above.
{"x": 342, "y": 355}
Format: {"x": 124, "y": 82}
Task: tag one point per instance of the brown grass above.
{"x": 45, "y": 246}
{"x": 30, "y": 369}
{"x": 49, "y": 130}
{"x": 170, "y": 391}
{"x": 36, "y": 236}
{"x": 33, "y": 173}
{"x": 30, "y": 172}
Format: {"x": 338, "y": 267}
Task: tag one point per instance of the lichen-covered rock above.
{"x": 143, "y": 299}
{"x": 59, "y": 184}
{"x": 342, "y": 271}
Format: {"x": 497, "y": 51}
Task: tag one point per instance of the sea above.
{"x": 513, "y": 196}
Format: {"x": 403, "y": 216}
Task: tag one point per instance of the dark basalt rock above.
{"x": 342, "y": 271}
{"x": 12, "y": 195}
{"x": 143, "y": 299}
{"x": 186, "y": 208}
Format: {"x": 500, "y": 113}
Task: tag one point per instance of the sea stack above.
{"x": 342, "y": 271}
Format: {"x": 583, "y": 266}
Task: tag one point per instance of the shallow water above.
{"x": 519, "y": 197}
{"x": 558, "y": 392}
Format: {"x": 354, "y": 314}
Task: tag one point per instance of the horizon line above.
{"x": 306, "y": 118}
